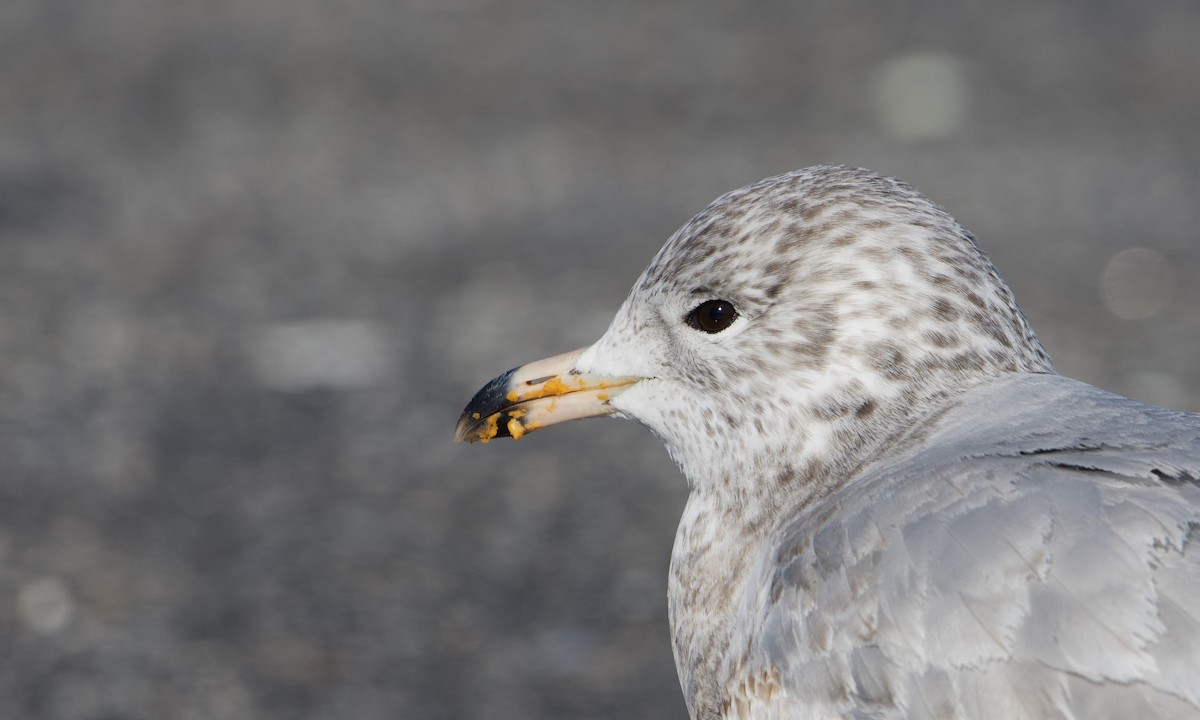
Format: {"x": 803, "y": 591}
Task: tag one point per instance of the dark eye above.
{"x": 712, "y": 316}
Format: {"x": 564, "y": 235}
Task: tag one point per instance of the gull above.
{"x": 896, "y": 508}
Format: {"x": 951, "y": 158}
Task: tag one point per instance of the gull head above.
{"x": 788, "y": 328}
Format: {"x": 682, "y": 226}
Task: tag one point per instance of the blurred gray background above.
{"x": 255, "y": 256}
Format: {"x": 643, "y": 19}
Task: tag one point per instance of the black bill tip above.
{"x": 480, "y": 418}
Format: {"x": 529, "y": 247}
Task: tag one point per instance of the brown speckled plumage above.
{"x": 897, "y": 509}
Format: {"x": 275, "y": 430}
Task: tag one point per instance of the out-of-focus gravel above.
{"x": 255, "y": 255}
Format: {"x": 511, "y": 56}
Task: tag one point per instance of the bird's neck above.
{"x": 734, "y": 512}
{"x": 708, "y": 579}
{"x": 804, "y": 443}
{"x": 724, "y": 531}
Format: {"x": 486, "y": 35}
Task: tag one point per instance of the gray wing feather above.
{"x": 1029, "y": 553}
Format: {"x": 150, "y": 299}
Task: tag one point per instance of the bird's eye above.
{"x": 712, "y": 316}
